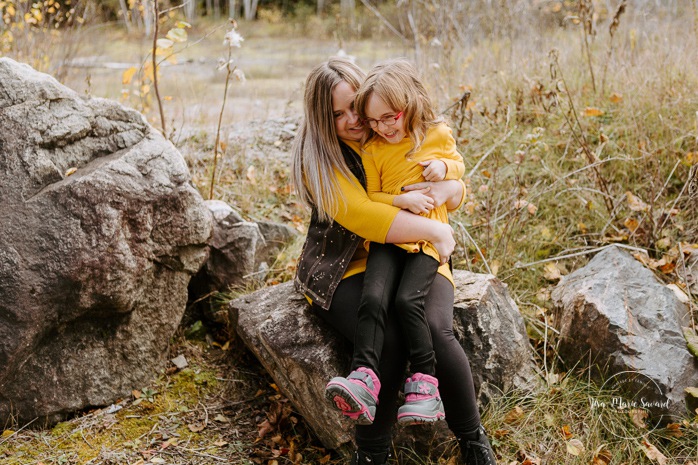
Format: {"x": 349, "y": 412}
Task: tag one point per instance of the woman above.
{"x": 329, "y": 177}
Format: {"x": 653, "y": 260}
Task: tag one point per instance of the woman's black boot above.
{"x": 365, "y": 458}
{"x": 477, "y": 450}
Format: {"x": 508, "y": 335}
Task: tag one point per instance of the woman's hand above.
{"x": 444, "y": 192}
{"x": 443, "y": 242}
{"x": 416, "y": 201}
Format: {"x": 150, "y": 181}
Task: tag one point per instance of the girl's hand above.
{"x": 434, "y": 170}
{"x": 442, "y": 192}
{"x": 417, "y": 201}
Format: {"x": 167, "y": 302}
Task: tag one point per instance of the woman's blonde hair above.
{"x": 397, "y": 83}
{"x": 317, "y": 155}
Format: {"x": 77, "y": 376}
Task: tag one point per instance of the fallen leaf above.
{"x": 601, "y": 456}
{"x": 575, "y": 447}
{"x": 514, "y": 415}
{"x": 70, "y": 171}
{"x": 593, "y": 111}
{"x": 251, "y": 175}
{"x": 196, "y": 427}
{"x": 7, "y": 433}
{"x": 532, "y": 209}
{"x": 221, "y": 418}
{"x": 220, "y": 443}
{"x": 566, "y": 431}
{"x": 674, "y": 429}
{"x": 551, "y": 272}
{"x": 635, "y": 203}
{"x": 157, "y": 460}
{"x": 653, "y": 453}
{"x": 631, "y": 223}
{"x": 616, "y": 97}
{"x": 693, "y": 391}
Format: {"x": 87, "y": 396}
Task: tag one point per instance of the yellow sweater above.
{"x": 368, "y": 219}
{"x": 388, "y": 170}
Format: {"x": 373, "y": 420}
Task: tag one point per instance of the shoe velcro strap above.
{"x": 420, "y": 387}
{"x": 363, "y": 376}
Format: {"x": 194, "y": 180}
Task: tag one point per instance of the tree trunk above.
{"x": 233, "y": 9}
{"x": 209, "y": 8}
{"x": 320, "y": 7}
{"x": 126, "y": 14}
{"x": 190, "y": 10}
{"x": 250, "y": 9}
{"x": 217, "y": 9}
{"x": 347, "y": 10}
{"x": 148, "y": 16}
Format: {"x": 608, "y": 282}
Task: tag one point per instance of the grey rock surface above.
{"x": 101, "y": 231}
{"x": 617, "y": 311}
{"x": 302, "y": 353}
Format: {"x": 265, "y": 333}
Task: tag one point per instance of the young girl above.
{"x": 408, "y": 144}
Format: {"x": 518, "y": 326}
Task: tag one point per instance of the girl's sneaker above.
{"x": 356, "y": 396}
{"x": 422, "y": 400}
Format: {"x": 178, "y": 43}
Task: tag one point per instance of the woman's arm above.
{"x": 407, "y": 227}
{"x": 379, "y": 222}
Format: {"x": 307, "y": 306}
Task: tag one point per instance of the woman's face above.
{"x": 346, "y": 120}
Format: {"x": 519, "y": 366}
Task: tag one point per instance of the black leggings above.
{"x": 396, "y": 279}
{"x": 452, "y": 368}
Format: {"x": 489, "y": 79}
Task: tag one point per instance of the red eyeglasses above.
{"x": 388, "y": 120}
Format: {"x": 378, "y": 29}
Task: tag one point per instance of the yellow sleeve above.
{"x": 455, "y": 168}
{"x": 374, "y": 187}
{"x": 356, "y": 212}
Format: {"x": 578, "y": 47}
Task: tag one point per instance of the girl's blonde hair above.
{"x": 397, "y": 83}
{"x": 317, "y": 155}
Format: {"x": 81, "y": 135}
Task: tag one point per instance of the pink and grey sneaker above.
{"x": 356, "y": 396}
{"x": 422, "y": 400}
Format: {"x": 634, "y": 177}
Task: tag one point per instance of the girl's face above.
{"x": 384, "y": 120}
{"x": 346, "y": 120}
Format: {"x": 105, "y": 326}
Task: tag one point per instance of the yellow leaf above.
{"x": 691, "y": 158}
{"x": 575, "y": 447}
{"x": 164, "y": 44}
{"x": 177, "y": 35}
{"x": 593, "y": 111}
{"x": 653, "y": 453}
{"x": 7, "y": 433}
{"x": 616, "y": 97}
{"x": 551, "y": 272}
{"x": 635, "y": 203}
{"x": 631, "y": 223}
{"x": 128, "y": 75}
{"x": 148, "y": 71}
{"x": 70, "y": 171}
{"x": 693, "y": 391}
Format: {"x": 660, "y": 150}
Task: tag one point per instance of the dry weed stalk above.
{"x": 586, "y": 16}
{"x": 156, "y": 17}
{"x": 612, "y": 32}
{"x": 577, "y": 130}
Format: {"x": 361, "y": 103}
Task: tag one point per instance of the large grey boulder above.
{"x": 240, "y": 253}
{"x": 101, "y": 231}
{"x": 617, "y": 311}
{"x": 301, "y": 353}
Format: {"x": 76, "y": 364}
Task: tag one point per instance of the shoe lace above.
{"x": 477, "y": 451}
